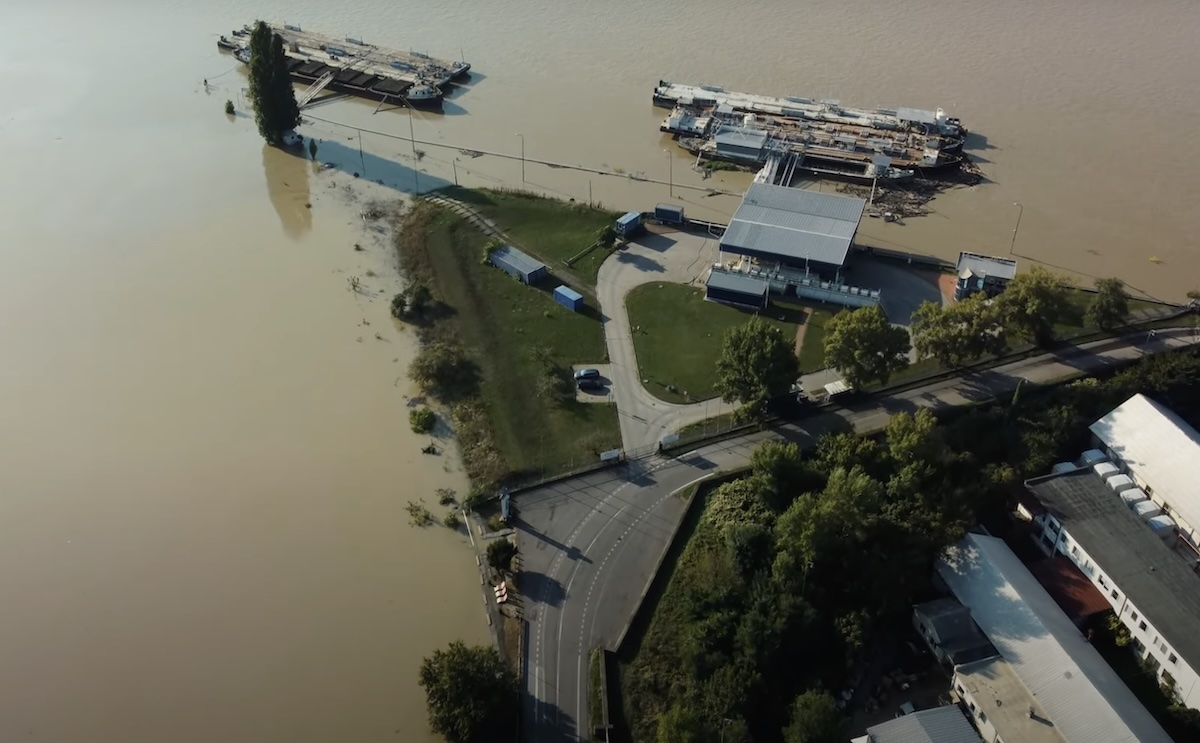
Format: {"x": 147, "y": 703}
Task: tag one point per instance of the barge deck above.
{"x": 356, "y": 68}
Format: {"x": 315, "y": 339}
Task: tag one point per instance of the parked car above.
{"x": 587, "y": 374}
{"x": 590, "y": 383}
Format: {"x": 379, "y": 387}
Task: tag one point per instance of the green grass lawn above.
{"x": 677, "y": 336}
{"x": 501, "y": 321}
{"x": 549, "y": 229}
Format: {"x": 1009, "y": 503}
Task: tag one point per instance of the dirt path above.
{"x": 800, "y": 329}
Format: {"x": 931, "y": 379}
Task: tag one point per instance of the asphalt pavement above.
{"x": 590, "y": 544}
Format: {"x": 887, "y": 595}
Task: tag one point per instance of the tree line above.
{"x": 757, "y": 364}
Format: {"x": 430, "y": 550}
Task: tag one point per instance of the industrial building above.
{"x": 1111, "y": 536}
{"x": 937, "y": 725}
{"x": 515, "y": 263}
{"x": 982, "y": 273}
{"x": 1160, "y": 453}
{"x": 951, "y": 634}
{"x": 736, "y": 289}
{"x": 1061, "y": 681}
{"x": 795, "y": 228}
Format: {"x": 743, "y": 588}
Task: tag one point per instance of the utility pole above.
{"x": 1020, "y": 214}
{"x": 670, "y": 175}
{"x": 522, "y": 136}
{"x": 454, "y": 164}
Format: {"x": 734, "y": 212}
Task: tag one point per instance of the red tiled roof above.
{"x": 1069, "y": 588}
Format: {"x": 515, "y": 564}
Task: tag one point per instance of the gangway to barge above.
{"x": 314, "y": 89}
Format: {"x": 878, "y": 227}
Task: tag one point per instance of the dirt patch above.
{"x": 946, "y": 283}
{"x": 800, "y": 328}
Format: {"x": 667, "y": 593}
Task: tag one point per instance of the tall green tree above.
{"x": 681, "y": 724}
{"x": 1109, "y": 306}
{"x": 756, "y": 363}
{"x": 960, "y": 333}
{"x": 1033, "y": 302}
{"x": 271, "y": 92}
{"x": 864, "y": 346}
{"x": 471, "y": 693}
{"x": 815, "y": 719}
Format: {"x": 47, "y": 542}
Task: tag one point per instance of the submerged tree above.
{"x": 1109, "y": 306}
{"x": 271, "y": 92}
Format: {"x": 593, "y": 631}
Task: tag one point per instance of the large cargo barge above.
{"x": 356, "y": 68}
{"x": 823, "y": 138}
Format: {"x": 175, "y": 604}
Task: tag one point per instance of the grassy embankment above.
{"x": 677, "y": 336}
{"x": 521, "y": 416}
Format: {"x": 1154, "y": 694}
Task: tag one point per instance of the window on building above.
{"x": 1172, "y": 658}
{"x": 971, "y": 705}
{"x": 1133, "y": 616}
{"x": 1103, "y": 582}
{"x": 1142, "y": 626}
{"x": 982, "y": 716}
{"x": 1162, "y": 648}
{"x": 1114, "y": 593}
{"x": 1074, "y": 551}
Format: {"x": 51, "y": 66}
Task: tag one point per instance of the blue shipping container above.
{"x": 569, "y": 298}
{"x": 629, "y": 224}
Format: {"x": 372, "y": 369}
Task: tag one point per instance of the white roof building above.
{"x": 1161, "y": 453}
{"x": 1081, "y": 696}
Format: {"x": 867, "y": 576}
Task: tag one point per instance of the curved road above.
{"x": 644, "y": 418}
{"x": 589, "y": 544}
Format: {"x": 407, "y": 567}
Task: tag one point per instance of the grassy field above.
{"x": 549, "y": 229}
{"x": 501, "y": 322}
{"x": 677, "y": 336}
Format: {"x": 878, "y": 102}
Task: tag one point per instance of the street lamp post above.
{"x": 522, "y": 136}
{"x": 454, "y": 164}
{"x": 670, "y": 174}
{"x": 1013, "y": 243}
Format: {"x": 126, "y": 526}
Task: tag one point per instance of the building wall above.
{"x": 927, "y": 633}
{"x": 977, "y": 713}
{"x": 1189, "y": 532}
{"x": 1147, "y": 641}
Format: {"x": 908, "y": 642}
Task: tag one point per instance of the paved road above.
{"x": 589, "y": 544}
{"x": 668, "y": 257}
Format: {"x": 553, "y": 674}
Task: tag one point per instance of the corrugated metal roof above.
{"x": 1082, "y": 696}
{"x": 1139, "y": 564}
{"x": 937, "y": 725}
{"x": 736, "y": 282}
{"x": 569, "y": 293}
{"x": 794, "y": 224}
{"x": 1160, "y": 449}
{"x": 514, "y": 258}
{"x": 987, "y": 265}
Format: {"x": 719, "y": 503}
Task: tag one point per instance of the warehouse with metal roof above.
{"x": 1079, "y": 693}
{"x": 1161, "y": 452}
{"x": 938, "y": 725}
{"x": 794, "y": 227}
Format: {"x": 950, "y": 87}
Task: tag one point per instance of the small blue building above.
{"x": 515, "y": 263}
{"x": 568, "y": 297}
{"x": 629, "y": 224}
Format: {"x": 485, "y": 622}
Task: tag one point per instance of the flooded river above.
{"x": 205, "y": 448}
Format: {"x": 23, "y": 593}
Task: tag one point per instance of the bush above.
{"x": 443, "y": 368}
{"x": 445, "y": 496}
{"x": 229, "y": 109}
{"x": 418, "y": 514}
{"x": 500, "y": 553}
{"x": 422, "y": 420}
{"x": 475, "y": 499}
{"x": 494, "y": 523}
{"x": 450, "y": 520}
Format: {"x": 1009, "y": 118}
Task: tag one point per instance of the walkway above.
{"x": 590, "y": 543}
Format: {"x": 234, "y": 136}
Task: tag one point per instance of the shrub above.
{"x": 445, "y": 496}
{"x": 229, "y": 109}
{"x": 475, "y": 499}
{"x": 450, "y": 520}
{"x": 494, "y": 523}
{"x": 500, "y": 553}
{"x": 418, "y": 514}
{"x": 442, "y": 368}
{"x": 421, "y": 420}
